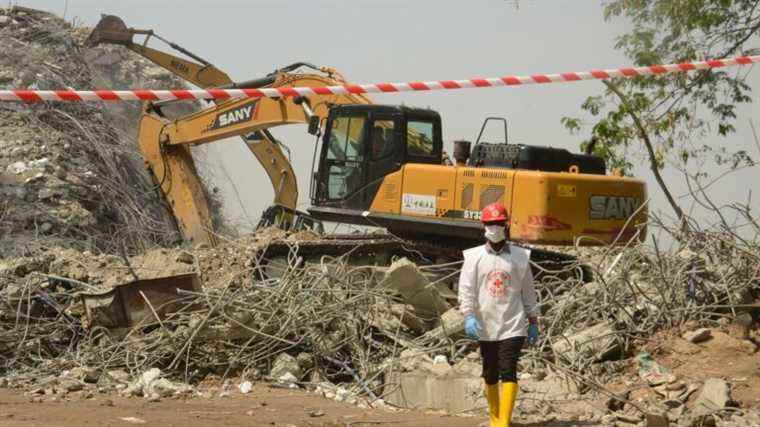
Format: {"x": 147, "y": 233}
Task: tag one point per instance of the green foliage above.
{"x": 675, "y": 109}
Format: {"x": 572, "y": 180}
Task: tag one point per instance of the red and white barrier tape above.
{"x": 160, "y": 95}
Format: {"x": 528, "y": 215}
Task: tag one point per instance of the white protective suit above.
{"x": 498, "y": 289}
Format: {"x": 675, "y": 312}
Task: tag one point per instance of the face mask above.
{"x": 495, "y": 233}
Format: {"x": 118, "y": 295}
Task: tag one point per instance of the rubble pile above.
{"x": 640, "y": 290}
{"x": 70, "y": 173}
{"x": 382, "y": 335}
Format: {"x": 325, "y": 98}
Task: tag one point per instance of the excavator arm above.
{"x": 165, "y": 143}
{"x": 112, "y": 30}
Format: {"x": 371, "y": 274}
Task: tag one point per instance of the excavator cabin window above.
{"x": 382, "y": 139}
{"x": 362, "y": 144}
{"x": 419, "y": 138}
{"x": 345, "y": 156}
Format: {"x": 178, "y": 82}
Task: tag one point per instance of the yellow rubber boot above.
{"x": 492, "y": 396}
{"x": 507, "y": 403}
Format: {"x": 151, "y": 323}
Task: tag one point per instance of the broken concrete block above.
{"x": 407, "y": 280}
{"x": 118, "y": 376}
{"x": 141, "y": 386}
{"x": 285, "y": 364}
{"x": 287, "y": 380}
{"x": 451, "y": 323}
{"x": 598, "y": 341}
{"x": 697, "y": 336}
{"x": 245, "y": 387}
{"x": 410, "y": 360}
{"x": 164, "y": 388}
{"x": 152, "y": 386}
{"x": 715, "y": 395}
{"x": 449, "y": 391}
{"x": 70, "y": 384}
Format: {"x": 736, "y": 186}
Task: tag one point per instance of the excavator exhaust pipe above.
{"x": 110, "y": 30}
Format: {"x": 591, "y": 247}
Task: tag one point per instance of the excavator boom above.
{"x": 112, "y": 30}
{"x": 165, "y": 143}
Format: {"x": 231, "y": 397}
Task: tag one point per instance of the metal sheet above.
{"x": 124, "y": 306}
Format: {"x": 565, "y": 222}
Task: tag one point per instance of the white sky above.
{"x": 403, "y": 40}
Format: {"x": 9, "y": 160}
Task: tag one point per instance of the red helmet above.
{"x": 495, "y": 212}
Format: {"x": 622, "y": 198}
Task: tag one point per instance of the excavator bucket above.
{"x": 144, "y": 301}
{"x": 110, "y": 30}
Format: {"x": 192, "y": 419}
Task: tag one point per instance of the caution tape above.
{"x": 280, "y": 92}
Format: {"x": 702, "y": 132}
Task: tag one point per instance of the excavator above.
{"x": 383, "y": 166}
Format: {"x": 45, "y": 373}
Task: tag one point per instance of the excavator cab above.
{"x": 362, "y": 144}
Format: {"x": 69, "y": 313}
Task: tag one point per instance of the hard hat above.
{"x": 495, "y": 212}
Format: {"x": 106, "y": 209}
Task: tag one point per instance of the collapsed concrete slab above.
{"x": 451, "y": 324}
{"x": 599, "y": 341}
{"x": 438, "y": 387}
{"x": 406, "y": 279}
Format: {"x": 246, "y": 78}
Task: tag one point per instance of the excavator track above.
{"x": 381, "y": 249}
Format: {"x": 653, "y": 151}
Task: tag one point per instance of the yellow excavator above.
{"x": 383, "y": 165}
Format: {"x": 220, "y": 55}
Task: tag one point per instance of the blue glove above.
{"x": 472, "y": 327}
{"x": 532, "y": 334}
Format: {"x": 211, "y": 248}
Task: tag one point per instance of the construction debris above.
{"x": 715, "y": 396}
{"x": 405, "y": 278}
{"x": 338, "y": 325}
{"x": 697, "y": 336}
{"x": 71, "y": 175}
{"x": 597, "y": 342}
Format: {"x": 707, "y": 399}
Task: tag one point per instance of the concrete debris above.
{"x": 715, "y": 396}
{"x": 451, "y": 324}
{"x": 72, "y": 174}
{"x": 439, "y": 387}
{"x": 286, "y": 365}
{"x": 596, "y": 342}
{"x": 336, "y": 392}
{"x": 151, "y": 386}
{"x": 245, "y": 387}
{"x": 697, "y": 336}
{"x": 404, "y": 277}
{"x": 287, "y": 380}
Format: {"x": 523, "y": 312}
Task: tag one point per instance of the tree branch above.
{"x": 650, "y": 150}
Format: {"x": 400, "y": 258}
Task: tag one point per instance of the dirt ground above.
{"x": 722, "y": 356}
{"x": 264, "y": 406}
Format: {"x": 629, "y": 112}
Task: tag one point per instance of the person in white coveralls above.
{"x": 498, "y": 301}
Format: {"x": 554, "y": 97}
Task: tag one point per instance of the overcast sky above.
{"x": 403, "y": 40}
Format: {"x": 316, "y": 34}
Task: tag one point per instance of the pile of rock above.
{"x": 70, "y": 173}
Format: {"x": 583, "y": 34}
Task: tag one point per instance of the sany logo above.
{"x": 612, "y": 207}
{"x": 234, "y": 116}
